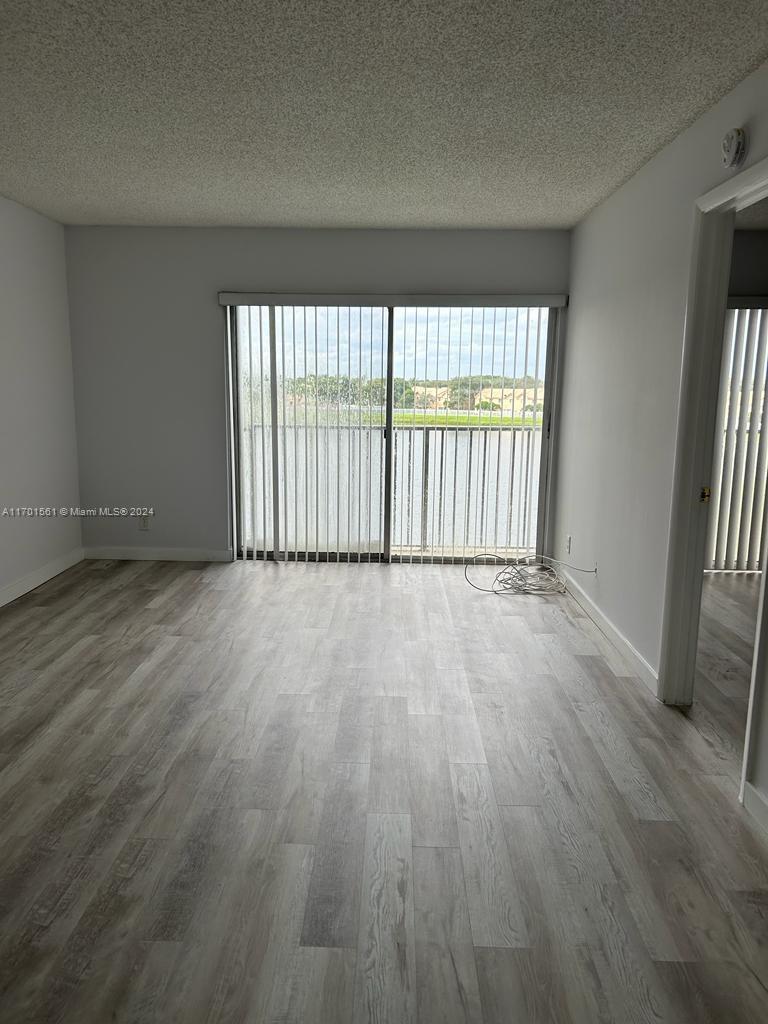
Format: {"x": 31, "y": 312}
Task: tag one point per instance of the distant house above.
{"x": 426, "y": 397}
{"x": 511, "y": 401}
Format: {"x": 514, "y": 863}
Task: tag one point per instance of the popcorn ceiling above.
{"x": 353, "y": 113}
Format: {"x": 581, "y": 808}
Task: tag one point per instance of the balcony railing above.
{"x": 456, "y": 490}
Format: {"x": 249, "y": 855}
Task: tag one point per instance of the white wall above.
{"x": 38, "y": 452}
{"x": 148, "y": 340}
{"x": 629, "y": 277}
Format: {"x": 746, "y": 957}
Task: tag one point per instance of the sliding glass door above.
{"x": 470, "y": 394}
{"x": 389, "y": 432}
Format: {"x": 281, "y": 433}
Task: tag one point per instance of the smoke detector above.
{"x": 734, "y": 147}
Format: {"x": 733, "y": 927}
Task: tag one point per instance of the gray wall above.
{"x": 38, "y": 454}
{"x": 630, "y": 270}
{"x": 149, "y": 344}
{"x": 749, "y": 263}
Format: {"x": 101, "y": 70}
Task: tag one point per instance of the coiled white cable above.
{"x": 524, "y": 575}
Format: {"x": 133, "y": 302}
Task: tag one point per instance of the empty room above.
{"x": 383, "y": 511}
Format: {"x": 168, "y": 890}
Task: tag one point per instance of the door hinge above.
{"x": 705, "y": 495}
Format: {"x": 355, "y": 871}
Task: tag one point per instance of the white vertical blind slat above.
{"x": 761, "y": 468}
{"x": 753, "y": 435}
{"x": 740, "y": 459}
{"x": 731, "y": 398}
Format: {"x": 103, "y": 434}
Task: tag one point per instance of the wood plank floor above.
{"x": 334, "y": 794}
{"x": 724, "y": 662}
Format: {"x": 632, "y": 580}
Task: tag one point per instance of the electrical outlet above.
{"x": 568, "y": 541}
{"x": 143, "y": 522}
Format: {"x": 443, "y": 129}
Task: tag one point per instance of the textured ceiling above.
{"x": 376, "y": 113}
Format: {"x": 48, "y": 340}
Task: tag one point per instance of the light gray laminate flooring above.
{"x": 336, "y": 794}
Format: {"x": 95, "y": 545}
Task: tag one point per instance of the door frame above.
{"x": 556, "y": 329}
{"x": 232, "y": 430}
{"x": 555, "y": 303}
{"x": 705, "y": 315}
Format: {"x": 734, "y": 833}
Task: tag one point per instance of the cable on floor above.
{"x": 524, "y": 575}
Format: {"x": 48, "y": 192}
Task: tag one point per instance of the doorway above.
{"x": 702, "y": 372}
{"x": 735, "y": 532}
{"x": 405, "y": 430}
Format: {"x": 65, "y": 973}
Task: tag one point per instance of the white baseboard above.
{"x": 756, "y": 803}
{"x": 160, "y": 554}
{"x": 39, "y": 576}
{"x": 630, "y": 654}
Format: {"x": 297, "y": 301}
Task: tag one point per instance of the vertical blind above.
{"x": 317, "y": 477}
{"x": 738, "y": 506}
{"x": 311, "y": 430}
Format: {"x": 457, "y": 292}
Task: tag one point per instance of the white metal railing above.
{"x": 738, "y": 507}
{"x": 460, "y": 491}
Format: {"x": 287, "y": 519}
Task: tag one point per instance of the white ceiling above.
{"x": 376, "y": 113}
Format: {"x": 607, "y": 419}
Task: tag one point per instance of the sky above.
{"x": 429, "y": 343}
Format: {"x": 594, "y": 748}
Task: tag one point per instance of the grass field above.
{"x": 351, "y": 417}
{"x": 420, "y": 418}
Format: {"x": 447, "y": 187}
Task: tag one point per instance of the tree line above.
{"x": 346, "y": 390}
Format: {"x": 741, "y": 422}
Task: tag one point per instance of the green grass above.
{"x": 345, "y": 417}
{"x": 419, "y": 418}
